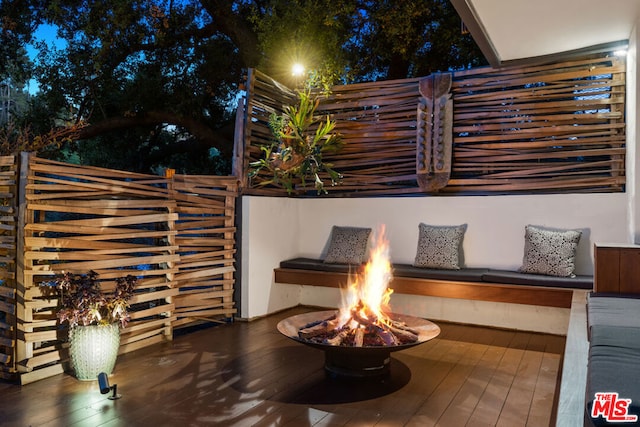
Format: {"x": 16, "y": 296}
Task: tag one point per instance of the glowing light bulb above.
{"x": 297, "y": 69}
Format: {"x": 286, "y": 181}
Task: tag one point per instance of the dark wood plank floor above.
{"x": 247, "y": 374}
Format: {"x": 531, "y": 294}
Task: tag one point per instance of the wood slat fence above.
{"x": 555, "y": 127}
{"x": 206, "y": 244}
{"x": 8, "y": 229}
{"x": 175, "y": 233}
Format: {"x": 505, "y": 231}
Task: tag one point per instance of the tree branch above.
{"x": 200, "y": 131}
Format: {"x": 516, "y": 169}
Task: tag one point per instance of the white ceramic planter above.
{"x": 93, "y": 349}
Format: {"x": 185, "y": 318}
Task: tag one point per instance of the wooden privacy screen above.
{"x": 8, "y": 177}
{"x": 174, "y": 233}
{"x": 264, "y": 97}
{"x": 555, "y": 127}
{"x": 206, "y": 244}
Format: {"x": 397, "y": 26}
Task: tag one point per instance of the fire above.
{"x": 367, "y": 296}
{"x": 364, "y": 318}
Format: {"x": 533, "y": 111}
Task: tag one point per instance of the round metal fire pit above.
{"x": 357, "y": 362}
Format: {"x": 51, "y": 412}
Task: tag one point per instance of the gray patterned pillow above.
{"x": 439, "y": 246}
{"x": 348, "y": 245}
{"x": 550, "y": 252}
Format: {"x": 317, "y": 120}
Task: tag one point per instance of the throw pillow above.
{"x": 551, "y": 252}
{"x": 439, "y": 246}
{"x": 348, "y": 245}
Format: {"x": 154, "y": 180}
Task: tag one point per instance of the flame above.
{"x": 368, "y": 294}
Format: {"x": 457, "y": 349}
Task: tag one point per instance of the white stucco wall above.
{"x": 269, "y": 231}
{"x": 495, "y": 224}
{"x": 274, "y": 229}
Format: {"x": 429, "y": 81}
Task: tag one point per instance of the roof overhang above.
{"x": 515, "y": 31}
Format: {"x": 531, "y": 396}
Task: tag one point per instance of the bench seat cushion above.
{"x": 615, "y": 336}
{"x": 612, "y": 369}
{"x": 517, "y": 278}
{"x": 613, "y": 311}
{"x": 319, "y": 265}
{"x": 399, "y": 270}
{"x": 462, "y": 275}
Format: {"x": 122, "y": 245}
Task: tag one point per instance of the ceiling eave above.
{"x": 481, "y": 36}
{"x": 476, "y": 29}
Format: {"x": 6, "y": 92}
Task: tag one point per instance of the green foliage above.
{"x": 300, "y": 140}
{"x": 17, "y": 24}
{"x": 123, "y": 61}
{"x": 144, "y": 152}
{"x": 82, "y": 302}
{"x": 397, "y": 40}
{"x": 312, "y": 33}
{"x": 362, "y": 40}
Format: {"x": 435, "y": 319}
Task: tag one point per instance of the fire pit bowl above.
{"x": 356, "y": 362}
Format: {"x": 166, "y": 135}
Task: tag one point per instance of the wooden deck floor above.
{"x": 247, "y": 374}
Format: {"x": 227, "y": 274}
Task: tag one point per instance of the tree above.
{"x": 164, "y": 74}
{"x": 397, "y": 40}
{"x": 15, "y": 67}
{"x": 17, "y": 24}
{"x": 363, "y": 40}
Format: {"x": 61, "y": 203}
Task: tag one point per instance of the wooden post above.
{"x": 238, "y": 166}
{"x": 8, "y": 233}
{"x": 23, "y": 349}
{"x": 171, "y": 241}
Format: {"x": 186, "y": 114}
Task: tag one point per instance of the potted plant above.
{"x": 301, "y": 138}
{"x": 94, "y": 319}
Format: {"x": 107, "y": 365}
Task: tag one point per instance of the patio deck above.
{"x": 247, "y": 374}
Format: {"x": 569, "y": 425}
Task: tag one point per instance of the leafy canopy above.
{"x": 164, "y": 75}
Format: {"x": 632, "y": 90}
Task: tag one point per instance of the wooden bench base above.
{"x": 481, "y": 291}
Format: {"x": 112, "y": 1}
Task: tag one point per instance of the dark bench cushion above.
{"x": 462, "y": 275}
{"x": 517, "y": 278}
{"x": 319, "y": 265}
{"x": 613, "y": 311}
{"x": 615, "y": 336}
{"x": 399, "y": 270}
{"x": 612, "y": 369}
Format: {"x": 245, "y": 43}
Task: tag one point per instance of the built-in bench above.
{"x": 467, "y": 283}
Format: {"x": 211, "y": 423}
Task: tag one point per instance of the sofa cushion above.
{"x": 347, "y": 245}
{"x": 612, "y": 369}
{"x": 613, "y": 311}
{"x": 439, "y": 246}
{"x": 400, "y": 270}
{"x": 462, "y": 275}
{"x": 615, "y": 336}
{"x": 518, "y": 278}
{"x": 318, "y": 265}
{"x": 549, "y": 251}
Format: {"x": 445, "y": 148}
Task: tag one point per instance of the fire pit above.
{"x": 359, "y": 337}
{"x": 356, "y": 362}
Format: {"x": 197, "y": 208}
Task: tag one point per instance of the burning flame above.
{"x": 367, "y": 296}
{"x": 364, "y": 318}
